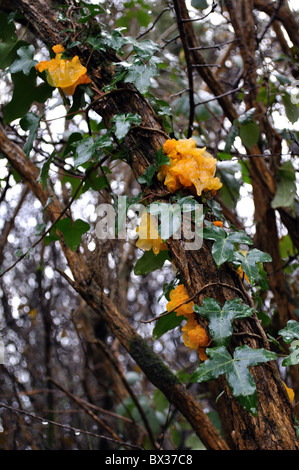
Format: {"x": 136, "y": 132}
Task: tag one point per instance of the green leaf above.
{"x": 250, "y": 134}
{"x": 124, "y": 122}
{"x": 147, "y": 176}
{"x": 222, "y": 251}
{"x": 52, "y": 237}
{"x": 72, "y": 231}
{"x": 84, "y": 151}
{"x": 286, "y": 186}
{"x": 290, "y": 332}
{"x": 247, "y": 117}
{"x": 116, "y": 40}
{"x": 140, "y": 73}
{"x": 291, "y": 109}
{"x": 143, "y": 17}
{"x": 221, "y": 319}
{"x": 199, "y": 4}
{"x": 166, "y": 323}
{"x": 239, "y": 237}
{"x": 9, "y": 43}
{"x": 39, "y": 229}
{"x": 25, "y": 61}
{"x": 98, "y": 43}
{"x": 231, "y": 136}
{"x": 249, "y": 262}
{"x": 215, "y": 207}
{"x": 30, "y": 123}
{"x": 212, "y": 232}
{"x": 293, "y": 358}
{"x": 44, "y": 173}
{"x": 97, "y": 183}
{"x": 236, "y": 369}
{"x": 73, "y": 137}
{"x": 146, "y": 49}
{"x": 25, "y": 93}
{"x": 162, "y": 159}
{"x": 150, "y": 262}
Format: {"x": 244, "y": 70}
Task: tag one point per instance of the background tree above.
{"x": 99, "y": 368}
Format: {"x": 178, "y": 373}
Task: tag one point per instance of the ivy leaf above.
{"x": 249, "y": 134}
{"x": 221, "y": 319}
{"x": 223, "y": 249}
{"x": 286, "y": 186}
{"x": 44, "y": 173}
{"x": 124, "y": 122}
{"x": 141, "y": 74}
{"x": 74, "y": 137}
{"x": 84, "y": 151}
{"x": 150, "y": 262}
{"x": 212, "y": 232}
{"x": 146, "y": 49}
{"x": 293, "y": 358}
{"x": 116, "y": 40}
{"x": 199, "y": 4}
{"x": 24, "y": 94}
{"x": 247, "y": 117}
{"x": 239, "y": 237}
{"x": 9, "y": 43}
{"x": 250, "y": 260}
{"x": 25, "y": 61}
{"x": 147, "y": 176}
{"x": 98, "y": 43}
{"x": 86, "y": 148}
{"x": 290, "y": 332}
{"x": 72, "y": 231}
{"x": 231, "y": 136}
{"x": 236, "y": 369}
{"x": 166, "y": 323}
{"x": 30, "y": 123}
{"x": 291, "y": 109}
{"x": 162, "y": 159}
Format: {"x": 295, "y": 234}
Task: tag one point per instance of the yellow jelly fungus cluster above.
{"x": 190, "y": 167}
{"x": 194, "y": 335}
{"x": 149, "y": 237}
{"x": 63, "y": 73}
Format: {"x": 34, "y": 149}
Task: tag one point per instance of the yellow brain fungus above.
{"x": 149, "y": 237}
{"x": 194, "y": 335}
{"x": 178, "y": 296}
{"x": 190, "y": 167}
{"x": 64, "y": 73}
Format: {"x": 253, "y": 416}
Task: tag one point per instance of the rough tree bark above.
{"x": 273, "y": 427}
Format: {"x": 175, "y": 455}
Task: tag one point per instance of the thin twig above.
{"x": 62, "y": 213}
{"x": 195, "y": 66}
{"x": 190, "y": 20}
{"x": 87, "y": 410}
{"x": 68, "y": 427}
{"x": 154, "y": 23}
{"x": 219, "y": 96}
{"x": 213, "y": 46}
